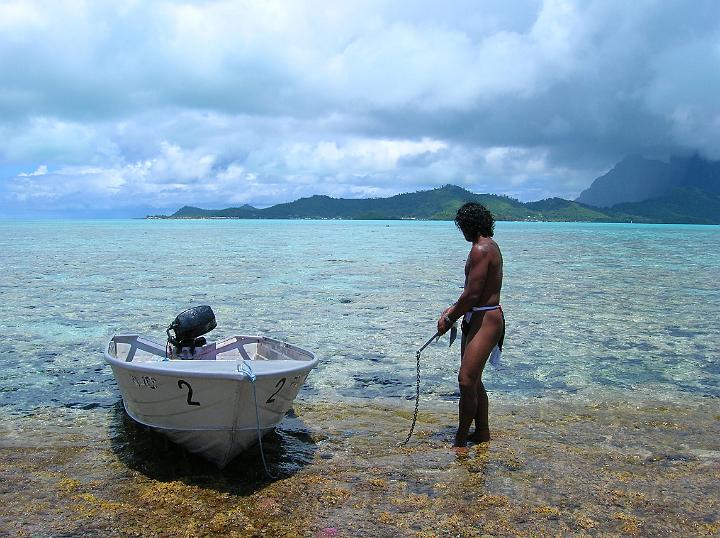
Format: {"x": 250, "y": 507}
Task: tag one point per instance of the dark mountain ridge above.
{"x": 636, "y": 179}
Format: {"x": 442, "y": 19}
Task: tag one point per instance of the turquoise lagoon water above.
{"x": 595, "y": 312}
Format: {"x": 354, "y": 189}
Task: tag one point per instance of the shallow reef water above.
{"x": 555, "y": 467}
{"x": 604, "y": 413}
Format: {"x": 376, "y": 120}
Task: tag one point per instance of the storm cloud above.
{"x": 121, "y": 108}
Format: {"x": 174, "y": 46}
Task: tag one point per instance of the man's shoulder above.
{"x": 479, "y": 251}
{"x": 484, "y": 249}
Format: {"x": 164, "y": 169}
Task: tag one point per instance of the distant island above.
{"x": 683, "y": 191}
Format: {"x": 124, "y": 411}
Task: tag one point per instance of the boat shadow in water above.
{"x": 287, "y": 450}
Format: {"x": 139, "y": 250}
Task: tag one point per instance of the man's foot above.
{"x": 461, "y": 452}
{"x": 480, "y": 436}
{"x": 460, "y": 441}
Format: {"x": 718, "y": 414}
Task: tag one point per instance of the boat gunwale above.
{"x": 149, "y": 367}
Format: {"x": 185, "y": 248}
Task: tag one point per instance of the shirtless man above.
{"x": 483, "y": 322}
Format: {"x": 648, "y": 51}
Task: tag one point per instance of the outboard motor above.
{"x": 189, "y": 326}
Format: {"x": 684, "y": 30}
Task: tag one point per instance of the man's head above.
{"x": 475, "y": 220}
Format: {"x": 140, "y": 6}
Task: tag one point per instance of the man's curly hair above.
{"x": 474, "y": 219}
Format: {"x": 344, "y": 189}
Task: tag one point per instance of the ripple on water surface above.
{"x": 602, "y": 411}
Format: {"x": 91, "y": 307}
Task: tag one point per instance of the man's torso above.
{"x": 490, "y": 294}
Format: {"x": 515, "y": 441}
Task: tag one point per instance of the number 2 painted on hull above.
{"x": 189, "y": 398}
{"x": 279, "y": 385}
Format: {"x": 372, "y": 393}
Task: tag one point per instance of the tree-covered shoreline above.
{"x": 682, "y": 206}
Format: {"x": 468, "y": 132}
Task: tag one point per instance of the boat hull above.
{"x": 214, "y": 408}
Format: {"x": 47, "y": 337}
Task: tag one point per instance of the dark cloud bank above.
{"x": 125, "y": 109}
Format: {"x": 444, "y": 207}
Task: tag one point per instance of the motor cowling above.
{"x": 189, "y": 326}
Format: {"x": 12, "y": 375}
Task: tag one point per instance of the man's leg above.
{"x": 482, "y": 429}
{"x": 481, "y": 337}
{"x": 467, "y": 406}
{"x": 466, "y": 400}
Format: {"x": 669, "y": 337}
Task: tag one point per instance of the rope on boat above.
{"x": 251, "y": 376}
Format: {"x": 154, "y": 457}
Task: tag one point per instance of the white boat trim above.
{"x": 199, "y": 367}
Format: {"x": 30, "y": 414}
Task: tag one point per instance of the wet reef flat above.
{"x": 552, "y": 467}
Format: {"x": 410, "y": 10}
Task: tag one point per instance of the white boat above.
{"x": 217, "y": 403}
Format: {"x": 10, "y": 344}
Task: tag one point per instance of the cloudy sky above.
{"x": 127, "y": 107}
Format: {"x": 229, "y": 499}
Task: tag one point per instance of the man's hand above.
{"x": 444, "y": 322}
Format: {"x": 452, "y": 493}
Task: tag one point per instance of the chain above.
{"x": 417, "y": 401}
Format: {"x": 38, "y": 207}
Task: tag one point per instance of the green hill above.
{"x": 685, "y": 205}
{"x": 681, "y": 206}
{"x": 559, "y": 209}
{"x": 192, "y": 212}
{"x": 435, "y": 204}
{"x": 189, "y": 212}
